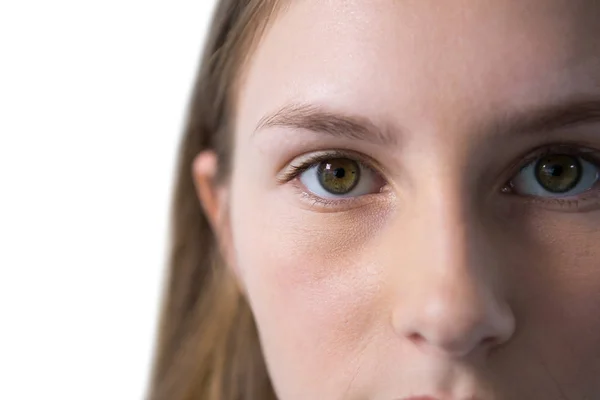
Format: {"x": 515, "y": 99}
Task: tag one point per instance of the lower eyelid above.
{"x": 313, "y": 201}
{"x": 587, "y": 203}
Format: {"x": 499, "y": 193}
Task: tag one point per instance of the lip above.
{"x": 421, "y": 398}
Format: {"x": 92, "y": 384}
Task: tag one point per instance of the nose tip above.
{"x": 456, "y": 325}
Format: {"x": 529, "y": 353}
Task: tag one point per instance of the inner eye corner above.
{"x": 507, "y": 188}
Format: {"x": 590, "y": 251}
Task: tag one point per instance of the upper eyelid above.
{"x": 571, "y": 150}
{"x": 317, "y": 156}
{"x": 506, "y": 174}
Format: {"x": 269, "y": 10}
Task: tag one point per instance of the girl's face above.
{"x": 415, "y": 203}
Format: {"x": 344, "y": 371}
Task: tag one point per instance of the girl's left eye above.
{"x": 555, "y": 176}
{"x": 340, "y": 178}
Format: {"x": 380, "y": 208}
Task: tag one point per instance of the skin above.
{"x": 442, "y": 283}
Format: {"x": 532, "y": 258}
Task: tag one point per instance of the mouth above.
{"x": 427, "y": 397}
{"x": 421, "y": 398}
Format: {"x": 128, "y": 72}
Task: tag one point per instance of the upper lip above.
{"x": 421, "y": 398}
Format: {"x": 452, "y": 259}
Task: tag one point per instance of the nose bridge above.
{"x": 447, "y": 228}
{"x": 453, "y": 304}
{"x": 443, "y": 216}
{"x": 454, "y": 282}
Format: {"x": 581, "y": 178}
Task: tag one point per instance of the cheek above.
{"x": 558, "y": 283}
{"x": 314, "y": 287}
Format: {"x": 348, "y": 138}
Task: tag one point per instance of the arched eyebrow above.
{"x": 321, "y": 120}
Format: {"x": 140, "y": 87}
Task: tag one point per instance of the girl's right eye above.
{"x": 336, "y": 178}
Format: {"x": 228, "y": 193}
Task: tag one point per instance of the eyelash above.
{"x": 294, "y": 171}
{"x": 572, "y": 150}
{"x": 590, "y": 155}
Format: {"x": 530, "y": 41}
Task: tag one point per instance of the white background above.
{"x": 92, "y": 104}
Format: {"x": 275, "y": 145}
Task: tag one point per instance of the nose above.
{"x": 453, "y": 303}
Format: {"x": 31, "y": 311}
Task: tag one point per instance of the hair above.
{"x": 208, "y": 346}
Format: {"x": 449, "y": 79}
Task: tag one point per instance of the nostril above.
{"x": 416, "y": 338}
{"x": 454, "y": 347}
{"x": 489, "y": 341}
{"x": 493, "y": 341}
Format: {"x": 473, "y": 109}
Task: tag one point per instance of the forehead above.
{"x": 404, "y": 58}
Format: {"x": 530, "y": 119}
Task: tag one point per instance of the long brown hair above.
{"x": 208, "y": 346}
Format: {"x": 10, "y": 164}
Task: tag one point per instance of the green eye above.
{"x": 339, "y": 175}
{"x": 558, "y": 173}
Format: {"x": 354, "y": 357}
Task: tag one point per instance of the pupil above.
{"x": 339, "y": 172}
{"x": 556, "y": 170}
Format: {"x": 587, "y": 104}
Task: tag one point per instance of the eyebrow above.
{"x": 560, "y": 115}
{"x": 318, "y": 119}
